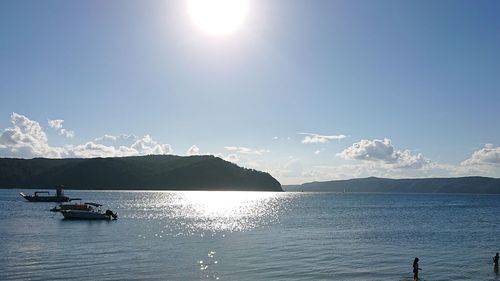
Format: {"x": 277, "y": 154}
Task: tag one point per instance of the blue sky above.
{"x": 389, "y": 88}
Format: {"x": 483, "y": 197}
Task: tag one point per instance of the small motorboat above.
{"x": 73, "y": 206}
{"x": 36, "y": 197}
{"x": 93, "y": 214}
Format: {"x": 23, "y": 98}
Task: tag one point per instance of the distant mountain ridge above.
{"x": 480, "y": 185}
{"x": 152, "y": 172}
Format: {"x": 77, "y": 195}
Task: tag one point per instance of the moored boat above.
{"x": 92, "y": 214}
{"x": 36, "y": 197}
{"x": 73, "y": 206}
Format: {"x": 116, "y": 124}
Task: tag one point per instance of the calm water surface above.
{"x": 252, "y": 236}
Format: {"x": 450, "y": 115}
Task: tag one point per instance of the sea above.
{"x": 200, "y": 235}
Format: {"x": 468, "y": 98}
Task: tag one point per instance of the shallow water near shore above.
{"x": 252, "y": 236}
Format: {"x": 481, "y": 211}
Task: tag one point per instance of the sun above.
{"x": 218, "y": 17}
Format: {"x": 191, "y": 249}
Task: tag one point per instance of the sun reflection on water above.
{"x": 227, "y": 204}
{"x": 205, "y": 212}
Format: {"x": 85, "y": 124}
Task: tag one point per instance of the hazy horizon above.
{"x": 307, "y": 91}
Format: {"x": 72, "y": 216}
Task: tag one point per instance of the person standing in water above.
{"x": 495, "y": 263}
{"x": 415, "y": 269}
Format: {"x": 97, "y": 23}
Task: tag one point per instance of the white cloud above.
{"x": 111, "y": 138}
{"x": 234, "y": 158}
{"x": 193, "y": 150}
{"x": 27, "y": 139}
{"x": 67, "y": 133}
{"x": 488, "y": 155}
{"x": 370, "y": 150}
{"x": 275, "y": 138}
{"x": 146, "y": 145}
{"x": 383, "y": 151}
{"x": 106, "y": 137}
{"x": 317, "y": 152}
{"x": 143, "y": 146}
{"x": 91, "y": 149}
{"x": 315, "y": 138}
{"x": 57, "y": 124}
{"x": 246, "y": 150}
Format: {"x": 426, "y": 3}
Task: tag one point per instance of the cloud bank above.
{"x": 488, "y": 155}
{"x": 27, "y": 139}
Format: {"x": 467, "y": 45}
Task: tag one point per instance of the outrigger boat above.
{"x": 59, "y": 197}
{"x": 94, "y": 213}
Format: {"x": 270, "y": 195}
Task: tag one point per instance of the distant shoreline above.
{"x": 395, "y": 193}
{"x": 458, "y": 185}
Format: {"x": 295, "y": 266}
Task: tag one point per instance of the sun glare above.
{"x": 218, "y": 17}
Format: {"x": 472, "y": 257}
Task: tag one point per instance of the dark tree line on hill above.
{"x": 482, "y": 185}
{"x": 153, "y": 172}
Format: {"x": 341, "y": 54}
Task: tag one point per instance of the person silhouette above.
{"x": 495, "y": 263}
{"x": 415, "y": 269}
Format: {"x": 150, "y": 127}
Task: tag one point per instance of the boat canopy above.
{"x": 93, "y": 204}
{"x": 38, "y": 192}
